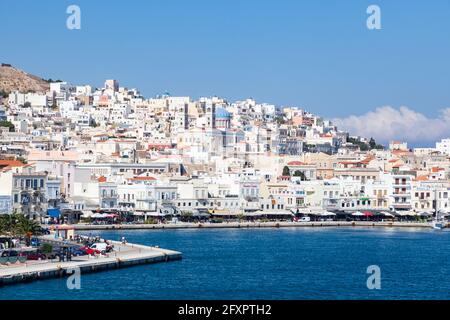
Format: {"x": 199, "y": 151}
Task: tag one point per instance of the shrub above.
{"x": 46, "y": 248}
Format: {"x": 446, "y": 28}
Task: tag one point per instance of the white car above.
{"x": 305, "y": 219}
{"x": 102, "y": 247}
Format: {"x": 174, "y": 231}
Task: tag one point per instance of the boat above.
{"x": 438, "y": 222}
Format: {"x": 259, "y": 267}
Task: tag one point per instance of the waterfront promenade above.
{"x": 124, "y": 255}
{"x": 280, "y": 224}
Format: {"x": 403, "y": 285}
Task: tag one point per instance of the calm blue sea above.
{"x": 297, "y": 263}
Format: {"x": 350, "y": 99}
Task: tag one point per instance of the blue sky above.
{"x": 313, "y": 54}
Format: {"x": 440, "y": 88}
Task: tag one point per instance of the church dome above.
{"x": 221, "y": 113}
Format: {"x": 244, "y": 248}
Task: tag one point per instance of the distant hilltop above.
{"x": 12, "y": 79}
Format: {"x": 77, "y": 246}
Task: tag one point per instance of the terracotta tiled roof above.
{"x": 296, "y": 163}
{"x": 11, "y": 163}
{"x": 422, "y": 178}
{"x": 143, "y": 179}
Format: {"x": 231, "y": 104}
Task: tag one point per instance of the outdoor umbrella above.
{"x": 387, "y": 214}
{"x": 98, "y": 216}
{"x": 328, "y": 213}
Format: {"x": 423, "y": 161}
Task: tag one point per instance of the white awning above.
{"x": 155, "y": 214}
{"x": 387, "y": 214}
{"x": 86, "y": 213}
{"x": 275, "y": 213}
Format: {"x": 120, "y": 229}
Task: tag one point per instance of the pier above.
{"x": 124, "y": 255}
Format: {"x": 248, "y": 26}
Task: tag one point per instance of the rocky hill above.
{"x": 14, "y": 79}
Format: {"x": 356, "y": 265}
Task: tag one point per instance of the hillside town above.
{"x": 76, "y": 153}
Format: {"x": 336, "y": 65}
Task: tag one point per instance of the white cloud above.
{"x": 388, "y": 123}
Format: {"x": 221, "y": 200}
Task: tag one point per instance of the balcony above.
{"x": 108, "y": 196}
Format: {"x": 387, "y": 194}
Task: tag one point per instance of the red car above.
{"x": 33, "y": 255}
{"x": 90, "y": 251}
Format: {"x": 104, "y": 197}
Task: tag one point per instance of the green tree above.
{"x": 300, "y": 174}
{"x": 22, "y": 159}
{"x": 362, "y": 145}
{"x": 286, "y": 171}
{"x": 8, "y": 124}
{"x": 280, "y": 120}
{"x": 17, "y": 224}
{"x": 374, "y": 145}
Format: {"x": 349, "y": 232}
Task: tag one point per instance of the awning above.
{"x": 200, "y": 214}
{"x": 275, "y": 213}
{"x": 54, "y": 213}
{"x": 103, "y": 216}
{"x": 225, "y": 213}
{"x": 155, "y": 214}
{"x": 406, "y": 213}
{"x": 86, "y": 213}
{"x": 387, "y": 214}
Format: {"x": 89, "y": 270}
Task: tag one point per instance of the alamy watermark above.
{"x": 73, "y": 21}
{"x": 374, "y": 20}
{"x": 74, "y": 280}
{"x": 374, "y": 280}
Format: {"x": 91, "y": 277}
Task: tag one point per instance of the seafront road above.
{"x": 280, "y": 224}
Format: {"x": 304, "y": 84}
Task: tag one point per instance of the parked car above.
{"x": 102, "y": 247}
{"x": 305, "y": 219}
{"x": 51, "y": 255}
{"x": 9, "y": 253}
{"x": 35, "y": 242}
{"x": 78, "y": 251}
{"x": 90, "y": 251}
{"x": 33, "y": 255}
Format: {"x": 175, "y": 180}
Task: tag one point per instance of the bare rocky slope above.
{"x": 12, "y": 79}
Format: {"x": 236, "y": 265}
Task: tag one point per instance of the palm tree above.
{"x": 28, "y": 227}
{"x": 17, "y": 224}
